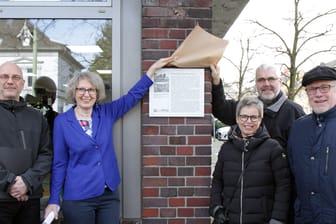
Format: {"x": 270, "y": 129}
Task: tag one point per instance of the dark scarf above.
{"x": 273, "y": 108}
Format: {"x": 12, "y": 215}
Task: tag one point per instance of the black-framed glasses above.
{"x": 324, "y": 88}
{"x": 6, "y": 77}
{"x": 90, "y": 91}
{"x": 244, "y": 117}
{"x": 269, "y": 79}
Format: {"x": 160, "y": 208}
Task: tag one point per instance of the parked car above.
{"x": 222, "y": 133}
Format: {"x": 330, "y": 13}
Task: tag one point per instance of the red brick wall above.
{"x": 176, "y": 152}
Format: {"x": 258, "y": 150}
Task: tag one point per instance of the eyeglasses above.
{"x": 244, "y": 117}
{"x": 270, "y": 80}
{"x": 15, "y": 78}
{"x": 90, "y": 91}
{"x": 322, "y": 88}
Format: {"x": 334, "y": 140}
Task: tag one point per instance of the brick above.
{"x": 168, "y": 171}
{"x": 176, "y": 120}
{"x": 185, "y": 212}
{"x": 176, "y": 202}
{"x": 184, "y": 150}
{"x": 168, "y": 150}
{"x": 150, "y": 150}
{"x": 150, "y": 130}
{"x": 177, "y": 140}
{"x": 168, "y": 44}
{"x": 185, "y": 130}
{"x": 186, "y": 191}
{"x": 202, "y": 171}
{"x": 155, "y": 202}
{"x": 199, "y": 120}
{"x": 185, "y": 171}
{"x": 199, "y": 12}
{"x": 167, "y": 212}
{"x": 154, "y": 120}
{"x": 201, "y": 212}
{"x": 198, "y": 181}
{"x": 176, "y": 182}
{"x": 154, "y": 140}
{"x": 154, "y": 161}
{"x": 168, "y": 130}
{"x": 150, "y": 44}
{"x": 203, "y": 150}
{"x": 176, "y": 161}
{"x": 150, "y": 182}
{"x": 149, "y": 54}
{"x": 150, "y": 171}
{"x": 150, "y": 22}
{"x": 176, "y": 221}
{"x": 198, "y": 202}
{"x": 177, "y": 34}
{"x": 155, "y": 221}
{"x": 168, "y": 192}
{"x": 198, "y": 160}
{"x": 197, "y": 220}
{"x": 157, "y": 11}
{"x": 203, "y": 129}
{"x": 150, "y": 212}
{"x": 202, "y": 191}
{"x": 199, "y": 140}
{"x": 150, "y": 192}
{"x": 154, "y": 33}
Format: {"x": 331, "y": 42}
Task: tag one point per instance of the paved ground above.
{"x": 216, "y": 144}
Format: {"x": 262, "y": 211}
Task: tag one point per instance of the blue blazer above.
{"x": 83, "y": 165}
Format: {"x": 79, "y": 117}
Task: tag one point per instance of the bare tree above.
{"x": 302, "y": 37}
{"x": 243, "y": 69}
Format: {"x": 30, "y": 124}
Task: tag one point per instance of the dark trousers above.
{"x": 104, "y": 209}
{"x": 15, "y": 212}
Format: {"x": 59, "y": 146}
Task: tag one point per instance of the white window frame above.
{"x": 126, "y": 61}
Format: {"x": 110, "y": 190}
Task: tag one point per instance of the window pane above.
{"x": 49, "y": 51}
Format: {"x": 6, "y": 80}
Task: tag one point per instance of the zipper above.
{"x": 23, "y": 139}
{"x": 326, "y": 161}
{"x": 245, "y": 150}
{"x": 241, "y": 189}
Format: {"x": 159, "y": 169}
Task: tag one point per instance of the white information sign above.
{"x": 177, "y": 93}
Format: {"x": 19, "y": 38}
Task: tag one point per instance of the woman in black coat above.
{"x": 251, "y": 180}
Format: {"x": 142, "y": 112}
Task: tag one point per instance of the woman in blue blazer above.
{"x": 85, "y": 168}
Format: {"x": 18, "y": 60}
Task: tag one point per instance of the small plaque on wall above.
{"x": 177, "y": 93}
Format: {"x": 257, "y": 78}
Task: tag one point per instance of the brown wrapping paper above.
{"x": 199, "y": 49}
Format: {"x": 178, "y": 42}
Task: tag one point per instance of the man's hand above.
{"x": 19, "y": 189}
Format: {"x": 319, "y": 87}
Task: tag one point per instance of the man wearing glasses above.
{"x": 279, "y": 112}
{"x": 25, "y": 155}
{"x": 312, "y": 150}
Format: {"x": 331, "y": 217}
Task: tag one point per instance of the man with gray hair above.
{"x": 279, "y": 112}
{"x": 312, "y": 150}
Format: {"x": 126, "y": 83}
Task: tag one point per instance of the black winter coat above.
{"x": 264, "y": 190}
{"x": 24, "y": 148}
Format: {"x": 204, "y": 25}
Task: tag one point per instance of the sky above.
{"x": 274, "y": 14}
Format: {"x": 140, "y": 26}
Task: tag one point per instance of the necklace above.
{"x": 82, "y": 115}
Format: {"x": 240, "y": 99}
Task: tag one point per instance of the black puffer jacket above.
{"x": 264, "y": 190}
{"x": 24, "y": 147}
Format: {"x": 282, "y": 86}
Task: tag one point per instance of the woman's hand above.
{"x": 159, "y": 64}
{"x": 215, "y": 74}
{"x": 52, "y": 208}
